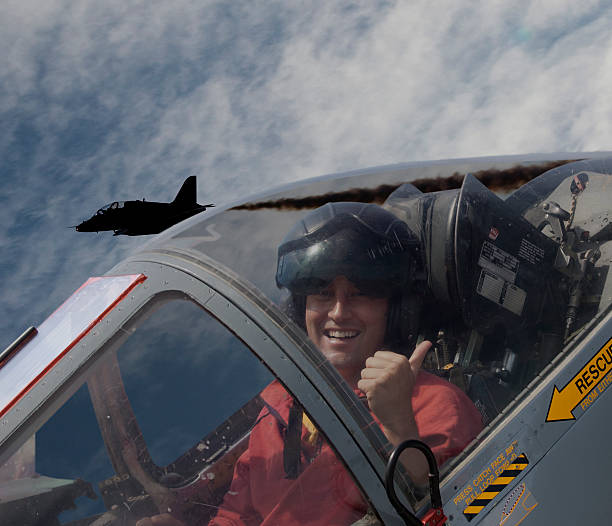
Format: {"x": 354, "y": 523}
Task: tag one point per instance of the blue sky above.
{"x": 122, "y": 100}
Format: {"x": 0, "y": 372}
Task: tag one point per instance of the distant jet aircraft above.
{"x": 137, "y": 218}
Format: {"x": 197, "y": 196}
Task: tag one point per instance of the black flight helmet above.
{"x": 365, "y": 243}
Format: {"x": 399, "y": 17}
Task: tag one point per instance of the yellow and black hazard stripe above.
{"x": 493, "y": 489}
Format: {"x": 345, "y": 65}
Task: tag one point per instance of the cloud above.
{"x": 113, "y": 101}
{"x": 363, "y": 86}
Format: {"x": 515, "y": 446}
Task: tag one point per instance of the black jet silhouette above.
{"x": 137, "y": 218}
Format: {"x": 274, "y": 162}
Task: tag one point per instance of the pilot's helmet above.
{"x": 365, "y": 243}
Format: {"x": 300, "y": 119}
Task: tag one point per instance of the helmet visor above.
{"x": 377, "y": 266}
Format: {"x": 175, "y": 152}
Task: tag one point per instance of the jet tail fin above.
{"x": 187, "y": 195}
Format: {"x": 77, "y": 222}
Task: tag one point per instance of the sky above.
{"x": 123, "y": 100}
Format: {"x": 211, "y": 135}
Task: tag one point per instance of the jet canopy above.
{"x": 160, "y": 375}
{"x": 115, "y": 205}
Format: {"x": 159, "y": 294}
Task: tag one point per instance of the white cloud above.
{"x": 404, "y": 86}
{"x": 123, "y": 100}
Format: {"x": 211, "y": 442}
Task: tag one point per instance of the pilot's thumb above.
{"x": 420, "y": 351}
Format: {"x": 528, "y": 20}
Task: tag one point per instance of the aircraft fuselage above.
{"x": 135, "y": 218}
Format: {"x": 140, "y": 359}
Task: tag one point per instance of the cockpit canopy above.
{"x": 115, "y": 205}
{"x": 187, "y": 342}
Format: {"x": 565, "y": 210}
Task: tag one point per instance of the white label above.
{"x": 490, "y": 286}
{"x": 502, "y": 292}
{"x": 498, "y": 261}
{"x": 530, "y": 252}
{"x": 514, "y": 299}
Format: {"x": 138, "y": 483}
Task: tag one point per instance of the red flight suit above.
{"x": 324, "y": 493}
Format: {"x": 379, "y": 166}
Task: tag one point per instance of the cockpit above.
{"x": 144, "y": 393}
{"x": 115, "y": 205}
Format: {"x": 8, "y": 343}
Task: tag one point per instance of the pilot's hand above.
{"x": 388, "y": 381}
{"x": 165, "y": 519}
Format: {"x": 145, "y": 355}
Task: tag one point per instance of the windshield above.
{"x": 115, "y": 205}
{"x": 168, "y": 424}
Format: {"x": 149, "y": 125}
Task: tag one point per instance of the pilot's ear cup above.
{"x": 403, "y": 320}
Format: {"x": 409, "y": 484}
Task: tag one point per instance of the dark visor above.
{"x": 376, "y": 264}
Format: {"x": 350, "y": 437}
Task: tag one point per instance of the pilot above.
{"x": 354, "y": 275}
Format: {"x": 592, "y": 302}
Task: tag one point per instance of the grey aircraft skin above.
{"x": 137, "y": 218}
{"x": 138, "y": 395}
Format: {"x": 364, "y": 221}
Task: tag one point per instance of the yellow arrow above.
{"x": 563, "y": 402}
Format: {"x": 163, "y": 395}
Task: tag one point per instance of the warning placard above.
{"x": 584, "y": 388}
{"x": 502, "y": 292}
{"x": 485, "y": 477}
{"x": 491, "y": 481}
{"x": 498, "y": 261}
{"x": 530, "y": 252}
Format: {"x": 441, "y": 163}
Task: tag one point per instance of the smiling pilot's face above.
{"x": 346, "y": 325}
